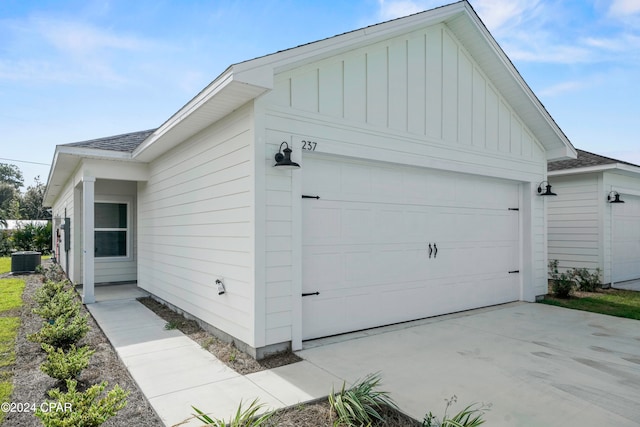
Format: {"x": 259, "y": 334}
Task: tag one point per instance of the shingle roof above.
{"x": 585, "y": 159}
{"x": 126, "y": 142}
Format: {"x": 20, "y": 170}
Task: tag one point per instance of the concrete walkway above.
{"x": 537, "y": 365}
{"x": 174, "y": 372}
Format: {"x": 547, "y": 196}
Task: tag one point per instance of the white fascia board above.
{"x": 205, "y": 94}
{"x": 566, "y": 152}
{"x": 565, "y": 149}
{"x": 629, "y": 169}
{"x": 262, "y": 69}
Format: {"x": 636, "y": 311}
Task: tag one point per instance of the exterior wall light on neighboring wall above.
{"x": 614, "y": 197}
{"x": 283, "y": 158}
{"x": 547, "y": 192}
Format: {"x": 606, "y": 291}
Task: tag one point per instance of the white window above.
{"x": 111, "y": 229}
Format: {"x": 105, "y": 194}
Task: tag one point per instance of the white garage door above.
{"x": 626, "y": 239}
{"x": 385, "y": 244}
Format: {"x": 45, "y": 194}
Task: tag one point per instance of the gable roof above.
{"x": 126, "y": 142}
{"x": 589, "y": 162}
{"x": 246, "y": 80}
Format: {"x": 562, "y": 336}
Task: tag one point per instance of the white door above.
{"x": 626, "y": 239}
{"x": 386, "y": 244}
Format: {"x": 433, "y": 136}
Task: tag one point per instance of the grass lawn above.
{"x": 5, "y": 264}
{"x": 11, "y": 294}
{"x": 10, "y": 299}
{"x": 614, "y": 302}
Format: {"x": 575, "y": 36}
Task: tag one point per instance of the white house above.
{"x": 420, "y": 148}
{"x": 586, "y": 227}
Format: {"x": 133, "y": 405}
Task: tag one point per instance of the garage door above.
{"x": 626, "y": 239}
{"x": 385, "y": 244}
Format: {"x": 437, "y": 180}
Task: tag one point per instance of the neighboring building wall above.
{"x": 196, "y": 225}
{"x": 419, "y": 100}
{"x": 624, "y": 184}
{"x": 575, "y": 232}
{"x": 118, "y": 269}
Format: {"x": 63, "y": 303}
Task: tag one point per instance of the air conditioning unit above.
{"x": 25, "y": 262}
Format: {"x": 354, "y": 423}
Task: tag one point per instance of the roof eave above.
{"x": 599, "y": 168}
{"x": 66, "y": 160}
{"x": 225, "y": 94}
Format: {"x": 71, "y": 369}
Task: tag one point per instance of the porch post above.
{"x": 88, "y": 199}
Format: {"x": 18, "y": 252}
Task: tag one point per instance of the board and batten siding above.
{"x": 195, "y": 225}
{"x": 574, "y": 231}
{"x": 419, "y": 100}
{"x": 118, "y": 269}
{"x": 424, "y": 84}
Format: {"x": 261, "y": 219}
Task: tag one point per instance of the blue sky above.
{"x": 72, "y": 70}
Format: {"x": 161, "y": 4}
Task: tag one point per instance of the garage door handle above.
{"x": 304, "y": 196}
{"x": 430, "y": 250}
{"x": 435, "y": 250}
{"x": 310, "y": 293}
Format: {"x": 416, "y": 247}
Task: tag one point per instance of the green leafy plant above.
{"x": 361, "y": 404}
{"x": 63, "y": 365}
{"x": 171, "y": 324}
{"x": 561, "y": 283}
{"x": 61, "y": 304}
{"x": 587, "y": 281}
{"x": 243, "y": 417}
{"x": 471, "y": 416}
{"x": 88, "y": 409}
{"x": 63, "y": 332}
{"x": 45, "y": 293}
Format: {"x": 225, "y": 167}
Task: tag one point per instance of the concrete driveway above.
{"x": 537, "y": 365}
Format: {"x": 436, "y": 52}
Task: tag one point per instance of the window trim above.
{"x": 124, "y": 201}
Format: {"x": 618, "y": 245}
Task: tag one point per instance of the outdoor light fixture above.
{"x": 614, "y": 197}
{"x": 547, "y": 192}
{"x": 283, "y": 158}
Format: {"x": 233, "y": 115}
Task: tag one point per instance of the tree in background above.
{"x": 31, "y": 204}
{"x": 11, "y": 174}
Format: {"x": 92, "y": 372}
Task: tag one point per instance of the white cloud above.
{"x": 562, "y": 88}
{"x": 623, "y": 8}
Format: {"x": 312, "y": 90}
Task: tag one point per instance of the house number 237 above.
{"x": 309, "y": 145}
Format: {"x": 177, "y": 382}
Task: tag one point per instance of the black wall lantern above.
{"x": 614, "y": 197}
{"x": 547, "y": 192}
{"x": 283, "y": 158}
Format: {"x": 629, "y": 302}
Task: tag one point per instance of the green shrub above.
{"x": 45, "y": 293}
{"x": 243, "y": 418}
{"x": 5, "y": 243}
{"x": 86, "y": 409}
{"x": 61, "y": 304}
{"x": 471, "y": 416}
{"x": 63, "y": 365}
{"x": 63, "y": 332}
{"x": 23, "y": 237}
{"x": 360, "y": 405}
{"x": 561, "y": 283}
{"x": 585, "y": 280}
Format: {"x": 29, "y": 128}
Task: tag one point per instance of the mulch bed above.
{"x": 31, "y": 384}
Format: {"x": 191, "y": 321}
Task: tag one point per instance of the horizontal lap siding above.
{"x": 195, "y": 226}
{"x": 65, "y": 202}
{"x": 574, "y": 222}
